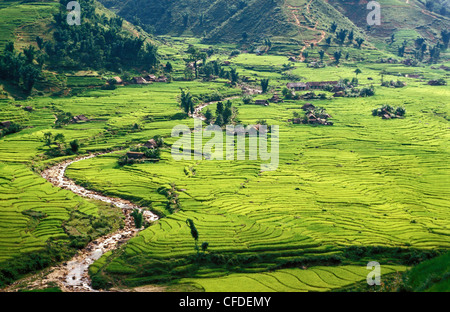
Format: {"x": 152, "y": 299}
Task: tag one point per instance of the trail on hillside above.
{"x": 294, "y": 12}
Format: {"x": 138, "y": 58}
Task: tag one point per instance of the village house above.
{"x": 321, "y": 84}
{"x": 276, "y": 99}
{"x": 308, "y": 107}
{"x": 140, "y": 80}
{"x": 150, "y": 78}
{"x": 79, "y": 118}
{"x": 315, "y": 85}
{"x": 5, "y": 124}
{"x": 135, "y": 155}
{"x": 117, "y": 80}
{"x": 151, "y": 144}
{"x": 162, "y": 79}
{"x": 28, "y": 109}
{"x": 297, "y": 86}
{"x": 262, "y": 102}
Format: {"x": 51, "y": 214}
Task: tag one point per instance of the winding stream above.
{"x": 73, "y": 275}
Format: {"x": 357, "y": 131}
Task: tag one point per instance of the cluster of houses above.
{"x": 313, "y": 115}
{"x": 142, "y": 80}
{"x": 274, "y": 99}
{"x": 316, "y": 85}
{"x": 149, "y": 79}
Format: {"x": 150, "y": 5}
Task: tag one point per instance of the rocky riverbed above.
{"x": 72, "y": 276}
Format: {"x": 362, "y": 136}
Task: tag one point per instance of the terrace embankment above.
{"x": 73, "y": 275}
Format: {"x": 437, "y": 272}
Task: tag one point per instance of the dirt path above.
{"x": 72, "y": 276}
{"x": 198, "y": 110}
{"x": 308, "y": 43}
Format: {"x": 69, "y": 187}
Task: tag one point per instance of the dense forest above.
{"x": 97, "y": 43}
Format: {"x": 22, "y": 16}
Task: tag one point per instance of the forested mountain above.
{"x": 100, "y": 42}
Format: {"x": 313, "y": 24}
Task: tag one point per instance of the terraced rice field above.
{"x": 316, "y": 279}
{"x": 363, "y": 182}
{"x": 32, "y": 211}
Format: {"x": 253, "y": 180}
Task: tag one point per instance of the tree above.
{"x": 59, "y": 140}
{"x": 74, "y": 146}
{"x": 168, "y": 67}
{"x": 194, "y": 232}
{"x": 359, "y": 41}
{"x": 351, "y": 36}
{"x": 205, "y": 246}
{"x": 358, "y": 71}
{"x": 341, "y": 35}
{"x": 29, "y": 74}
{"x": 219, "y": 121}
{"x": 48, "y": 136}
{"x": 445, "y": 37}
{"x": 321, "y": 54}
{"x": 29, "y": 54}
{"x": 234, "y": 76}
{"x": 159, "y": 140}
{"x": 264, "y": 85}
{"x": 138, "y": 218}
{"x": 337, "y": 56}
{"x": 333, "y": 27}
{"x": 186, "y": 101}
{"x": 208, "y": 116}
{"x": 219, "y": 108}
{"x": 305, "y": 55}
{"x": 227, "y": 113}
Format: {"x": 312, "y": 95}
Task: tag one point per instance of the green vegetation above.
{"x": 363, "y": 190}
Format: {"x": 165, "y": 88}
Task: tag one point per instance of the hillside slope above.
{"x": 236, "y": 20}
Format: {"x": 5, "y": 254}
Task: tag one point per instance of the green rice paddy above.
{"x": 363, "y": 182}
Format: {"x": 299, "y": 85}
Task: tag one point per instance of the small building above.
{"x": 117, "y": 80}
{"x": 5, "y": 124}
{"x": 276, "y": 99}
{"x": 297, "y": 86}
{"x": 150, "y": 78}
{"x": 338, "y": 89}
{"x": 162, "y": 79}
{"x": 28, "y": 109}
{"x": 308, "y": 107}
{"x": 135, "y": 155}
{"x": 296, "y": 121}
{"x": 140, "y": 80}
{"x": 79, "y": 118}
{"x": 321, "y": 84}
{"x": 262, "y": 102}
{"x": 151, "y": 144}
